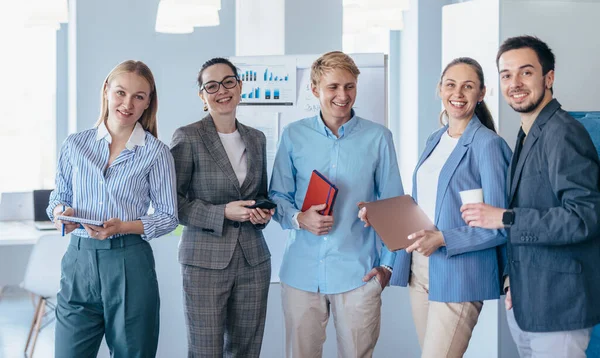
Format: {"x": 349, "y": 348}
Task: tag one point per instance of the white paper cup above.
{"x": 473, "y": 196}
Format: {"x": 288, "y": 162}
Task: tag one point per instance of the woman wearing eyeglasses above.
{"x": 226, "y": 266}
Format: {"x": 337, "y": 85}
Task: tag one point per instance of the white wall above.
{"x": 471, "y": 29}
{"x": 312, "y": 26}
{"x": 260, "y": 27}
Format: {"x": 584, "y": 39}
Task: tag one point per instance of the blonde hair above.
{"x": 148, "y": 118}
{"x": 331, "y": 61}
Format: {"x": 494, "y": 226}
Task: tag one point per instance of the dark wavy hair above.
{"x": 541, "y": 49}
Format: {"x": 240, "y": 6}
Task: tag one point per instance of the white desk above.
{"x": 16, "y": 241}
{"x": 20, "y": 233}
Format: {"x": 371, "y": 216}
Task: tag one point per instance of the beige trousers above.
{"x": 444, "y": 328}
{"x": 356, "y": 315}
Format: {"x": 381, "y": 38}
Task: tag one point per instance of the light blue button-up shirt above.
{"x": 143, "y": 173}
{"x": 362, "y": 163}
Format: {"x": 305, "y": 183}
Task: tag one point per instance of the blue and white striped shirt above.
{"x": 143, "y": 173}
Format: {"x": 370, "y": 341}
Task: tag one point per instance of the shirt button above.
{"x": 325, "y": 238}
{"x": 101, "y": 182}
{"x": 99, "y": 203}
{"x": 321, "y": 261}
{"x": 333, "y": 166}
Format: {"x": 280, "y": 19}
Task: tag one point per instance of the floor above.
{"x": 16, "y": 314}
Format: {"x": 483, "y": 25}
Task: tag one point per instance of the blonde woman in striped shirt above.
{"x": 111, "y": 174}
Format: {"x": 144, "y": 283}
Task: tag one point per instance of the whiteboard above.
{"x": 371, "y": 104}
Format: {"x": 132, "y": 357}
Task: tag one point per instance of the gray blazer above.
{"x": 206, "y": 182}
{"x": 554, "y": 244}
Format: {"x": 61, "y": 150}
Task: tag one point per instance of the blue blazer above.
{"x": 470, "y": 266}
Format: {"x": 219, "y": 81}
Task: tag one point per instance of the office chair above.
{"x": 42, "y": 278}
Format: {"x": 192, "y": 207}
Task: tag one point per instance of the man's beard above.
{"x": 533, "y": 106}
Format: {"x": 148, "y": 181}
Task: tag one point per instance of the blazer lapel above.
{"x": 253, "y": 154}
{"x": 453, "y": 161}
{"x": 210, "y": 137}
{"x": 530, "y": 140}
{"x": 509, "y": 179}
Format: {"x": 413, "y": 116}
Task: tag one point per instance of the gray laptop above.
{"x": 40, "y": 203}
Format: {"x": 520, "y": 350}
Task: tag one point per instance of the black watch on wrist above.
{"x": 508, "y": 218}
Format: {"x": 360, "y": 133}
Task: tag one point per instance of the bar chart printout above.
{"x": 267, "y": 81}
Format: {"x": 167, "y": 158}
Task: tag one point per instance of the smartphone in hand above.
{"x": 263, "y": 204}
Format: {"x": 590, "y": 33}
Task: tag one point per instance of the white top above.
{"x": 429, "y": 173}
{"x": 236, "y": 152}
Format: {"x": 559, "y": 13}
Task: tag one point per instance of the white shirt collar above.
{"x": 138, "y": 136}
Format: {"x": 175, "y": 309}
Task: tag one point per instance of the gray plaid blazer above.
{"x": 206, "y": 182}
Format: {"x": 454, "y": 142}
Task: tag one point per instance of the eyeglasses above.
{"x": 228, "y": 82}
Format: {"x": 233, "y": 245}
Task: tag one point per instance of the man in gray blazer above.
{"x": 553, "y": 251}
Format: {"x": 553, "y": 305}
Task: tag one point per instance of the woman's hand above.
{"x": 426, "y": 242}
{"x": 69, "y": 226}
{"x": 110, "y": 228}
{"x": 362, "y": 214}
{"x": 237, "y": 210}
{"x": 261, "y": 216}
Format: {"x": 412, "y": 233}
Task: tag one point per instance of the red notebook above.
{"x": 320, "y": 191}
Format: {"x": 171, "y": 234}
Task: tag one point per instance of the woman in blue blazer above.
{"x": 451, "y": 271}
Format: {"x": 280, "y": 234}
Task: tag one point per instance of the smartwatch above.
{"x": 508, "y": 218}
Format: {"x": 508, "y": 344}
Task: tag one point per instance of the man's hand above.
{"x": 382, "y": 275}
{"x": 261, "y": 216}
{"x": 482, "y": 215}
{"x": 362, "y": 214}
{"x": 426, "y": 242}
{"x": 314, "y": 222}
{"x": 69, "y": 226}
{"x": 508, "y": 300}
{"x": 111, "y": 227}
{"x": 237, "y": 210}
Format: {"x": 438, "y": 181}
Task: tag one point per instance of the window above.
{"x": 27, "y": 102}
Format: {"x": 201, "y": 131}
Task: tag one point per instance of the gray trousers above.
{"x": 563, "y": 344}
{"x": 107, "y": 288}
{"x": 225, "y": 310}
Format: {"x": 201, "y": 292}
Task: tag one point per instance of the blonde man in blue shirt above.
{"x": 332, "y": 263}
{"x": 111, "y": 173}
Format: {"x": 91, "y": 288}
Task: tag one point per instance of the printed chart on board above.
{"x": 268, "y": 82}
